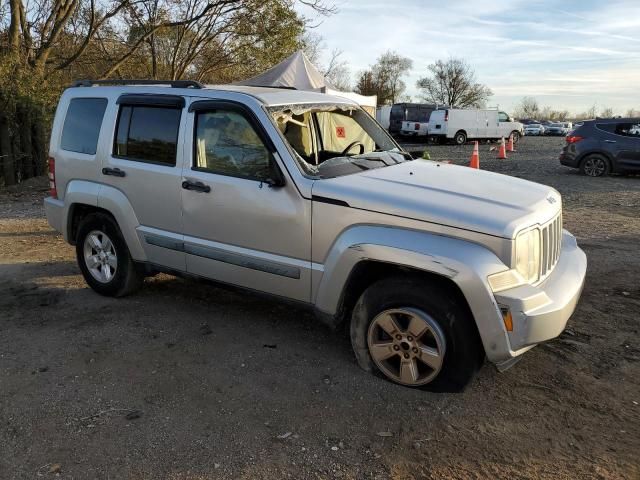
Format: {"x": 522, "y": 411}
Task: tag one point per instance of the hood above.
{"x": 451, "y": 195}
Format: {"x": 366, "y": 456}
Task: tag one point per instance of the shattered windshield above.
{"x": 334, "y": 140}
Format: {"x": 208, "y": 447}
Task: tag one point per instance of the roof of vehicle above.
{"x": 614, "y": 120}
{"x": 266, "y": 95}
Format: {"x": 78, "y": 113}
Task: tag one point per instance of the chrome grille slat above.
{"x": 550, "y": 246}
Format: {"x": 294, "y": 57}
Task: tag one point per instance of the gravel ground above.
{"x": 188, "y": 381}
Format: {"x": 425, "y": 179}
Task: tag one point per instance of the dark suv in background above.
{"x": 602, "y": 146}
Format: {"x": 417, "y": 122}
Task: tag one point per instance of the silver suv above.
{"x": 302, "y": 195}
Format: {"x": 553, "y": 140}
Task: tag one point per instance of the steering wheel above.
{"x": 351, "y": 145}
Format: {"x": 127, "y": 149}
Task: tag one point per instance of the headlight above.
{"x": 528, "y": 255}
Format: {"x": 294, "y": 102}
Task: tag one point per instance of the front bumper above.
{"x": 541, "y": 313}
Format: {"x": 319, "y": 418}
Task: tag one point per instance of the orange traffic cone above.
{"x": 502, "y": 151}
{"x": 475, "y": 157}
{"x": 510, "y": 146}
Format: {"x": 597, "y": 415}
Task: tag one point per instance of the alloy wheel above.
{"x": 100, "y": 256}
{"x": 594, "y": 167}
{"x": 407, "y": 345}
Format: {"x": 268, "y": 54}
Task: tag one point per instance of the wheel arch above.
{"x": 461, "y": 130}
{"x": 84, "y": 198}
{"x": 459, "y": 265}
{"x": 583, "y": 156}
{"x": 604, "y": 153}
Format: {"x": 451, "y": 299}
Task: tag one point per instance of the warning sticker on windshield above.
{"x": 340, "y": 132}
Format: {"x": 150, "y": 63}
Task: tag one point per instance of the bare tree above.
{"x": 388, "y": 72}
{"x": 337, "y": 71}
{"x": 527, "y": 108}
{"x": 384, "y": 78}
{"x": 453, "y": 83}
{"x": 606, "y": 112}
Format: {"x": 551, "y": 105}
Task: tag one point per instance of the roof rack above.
{"x": 172, "y": 83}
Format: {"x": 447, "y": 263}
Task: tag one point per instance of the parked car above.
{"x": 602, "y": 146}
{"x": 556, "y": 129}
{"x": 460, "y": 125}
{"x": 414, "y": 129}
{"x": 408, "y": 112}
{"x": 534, "y": 129}
{"x": 303, "y": 196}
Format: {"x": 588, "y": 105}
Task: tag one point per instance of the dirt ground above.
{"x": 188, "y": 381}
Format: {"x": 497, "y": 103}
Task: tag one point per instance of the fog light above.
{"x": 507, "y": 318}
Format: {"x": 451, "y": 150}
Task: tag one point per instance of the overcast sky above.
{"x": 568, "y": 54}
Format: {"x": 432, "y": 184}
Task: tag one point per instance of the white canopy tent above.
{"x": 296, "y": 71}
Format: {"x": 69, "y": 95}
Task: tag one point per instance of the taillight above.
{"x": 573, "y": 138}
{"x": 52, "y": 177}
{"x": 446, "y": 115}
{"x": 417, "y": 126}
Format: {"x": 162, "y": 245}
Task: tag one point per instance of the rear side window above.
{"x": 82, "y": 125}
{"x": 607, "y": 127}
{"x": 628, "y": 129}
{"x": 148, "y": 134}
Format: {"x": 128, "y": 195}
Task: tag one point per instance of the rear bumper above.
{"x": 54, "y": 210}
{"x": 568, "y": 159}
{"x": 541, "y": 313}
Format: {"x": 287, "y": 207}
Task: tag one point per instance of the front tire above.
{"x": 516, "y": 136}
{"x": 416, "y": 333}
{"x": 595, "y": 166}
{"x": 104, "y": 258}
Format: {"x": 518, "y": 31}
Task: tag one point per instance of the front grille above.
{"x": 551, "y": 245}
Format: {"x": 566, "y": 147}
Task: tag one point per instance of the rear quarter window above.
{"x": 82, "y": 124}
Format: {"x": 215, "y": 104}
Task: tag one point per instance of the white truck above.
{"x": 460, "y": 125}
{"x": 414, "y": 129}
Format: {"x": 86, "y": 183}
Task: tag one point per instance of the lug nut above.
{"x": 414, "y": 350}
{"x": 396, "y": 347}
{"x": 406, "y": 355}
{"x": 410, "y": 338}
{"x": 398, "y": 337}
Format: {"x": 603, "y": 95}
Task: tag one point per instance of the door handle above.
{"x": 609, "y": 141}
{"x": 196, "y": 186}
{"x": 116, "y": 172}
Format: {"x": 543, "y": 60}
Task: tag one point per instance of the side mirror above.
{"x": 276, "y": 178}
{"x": 274, "y": 182}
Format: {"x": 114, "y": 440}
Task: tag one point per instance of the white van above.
{"x": 460, "y": 125}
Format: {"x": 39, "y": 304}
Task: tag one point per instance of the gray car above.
{"x": 303, "y": 196}
{"x": 602, "y": 146}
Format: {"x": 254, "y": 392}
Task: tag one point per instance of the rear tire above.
{"x": 104, "y": 258}
{"x": 595, "y": 165}
{"x": 450, "y": 329}
{"x": 460, "y": 138}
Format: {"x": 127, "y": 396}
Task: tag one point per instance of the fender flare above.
{"x": 82, "y": 192}
{"x": 78, "y": 192}
{"x": 465, "y": 263}
{"x": 116, "y": 202}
